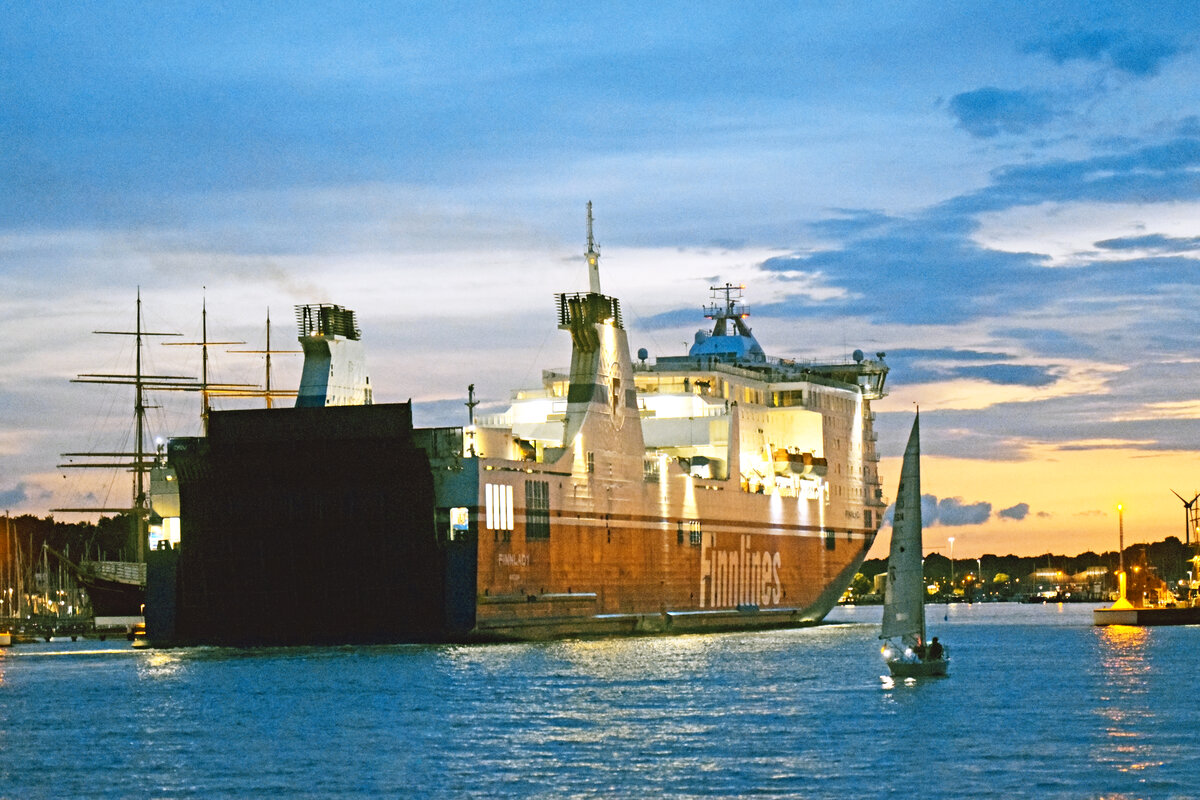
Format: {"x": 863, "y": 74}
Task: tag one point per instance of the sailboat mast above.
{"x": 204, "y": 364}
{"x": 139, "y": 407}
{"x": 10, "y": 572}
{"x": 267, "y": 384}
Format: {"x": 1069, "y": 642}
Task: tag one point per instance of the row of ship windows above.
{"x": 498, "y": 515}
{"x": 498, "y": 511}
{"x": 786, "y": 398}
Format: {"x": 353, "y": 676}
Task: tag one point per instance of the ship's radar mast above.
{"x": 593, "y": 256}
{"x": 730, "y": 340}
{"x": 730, "y": 310}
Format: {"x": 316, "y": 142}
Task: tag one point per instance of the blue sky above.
{"x": 1003, "y": 197}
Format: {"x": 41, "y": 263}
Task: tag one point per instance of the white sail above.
{"x": 904, "y": 597}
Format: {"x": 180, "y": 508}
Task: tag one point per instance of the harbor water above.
{"x": 1039, "y": 703}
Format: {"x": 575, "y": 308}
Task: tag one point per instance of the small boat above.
{"x": 905, "y": 649}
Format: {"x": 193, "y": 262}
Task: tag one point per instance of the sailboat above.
{"x": 905, "y": 649}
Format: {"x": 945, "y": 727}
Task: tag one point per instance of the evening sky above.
{"x": 1003, "y": 197}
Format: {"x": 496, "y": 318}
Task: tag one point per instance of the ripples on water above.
{"x": 1039, "y": 704}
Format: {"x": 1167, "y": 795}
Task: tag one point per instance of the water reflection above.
{"x": 1124, "y": 673}
{"x": 160, "y": 664}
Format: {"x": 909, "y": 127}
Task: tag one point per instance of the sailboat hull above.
{"x": 918, "y": 669}
{"x": 111, "y": 598}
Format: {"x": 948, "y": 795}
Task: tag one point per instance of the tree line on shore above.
{"x": 1170, "y": 559}
{"x": 109, "y": 538}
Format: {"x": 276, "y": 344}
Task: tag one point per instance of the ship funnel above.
{"x": 335, "y": 370}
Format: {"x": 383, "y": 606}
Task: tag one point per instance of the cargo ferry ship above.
{"x": 718, "y": 490}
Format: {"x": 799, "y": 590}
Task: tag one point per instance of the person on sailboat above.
{"x": 935, "y": 649}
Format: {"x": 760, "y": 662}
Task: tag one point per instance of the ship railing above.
{"x": 120, "y": 571}
{"x": 774, "y": 370}
{"x": 440, "y": 442}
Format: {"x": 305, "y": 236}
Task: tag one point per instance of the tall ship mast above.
{"x": 720, "y": 489}
{"x": 116, "y": 587}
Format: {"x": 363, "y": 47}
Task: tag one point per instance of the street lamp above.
{"x": 952, "y": 566}
{"x": 1121, "y": 535}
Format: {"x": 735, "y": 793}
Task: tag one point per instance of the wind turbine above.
{"x": 1187, "y": 515}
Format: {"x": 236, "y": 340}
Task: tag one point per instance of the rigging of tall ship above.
{"x": 722, "y": 489}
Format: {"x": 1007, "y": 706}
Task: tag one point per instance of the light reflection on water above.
{"x": 1123, "y": 702}
{"x": 1039, "y": 704}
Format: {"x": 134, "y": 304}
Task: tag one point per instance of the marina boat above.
{"x": 906, "y": 651}
{"x": 720, "y": 489}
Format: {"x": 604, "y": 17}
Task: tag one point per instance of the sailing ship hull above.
{"x": 110, "y": 598}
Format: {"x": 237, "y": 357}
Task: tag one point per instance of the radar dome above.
{"x": 643, "y": 354}
{"x": 858, "y": 356}
{"x": 701, "y": 336}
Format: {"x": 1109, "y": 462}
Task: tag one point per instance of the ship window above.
{"x": 537, "y": 510}
{"x": 694, "y": 532}
{"x": 591, "y": 461}
{"x": 650, "y": 469}
{"x": 499, "y": 507}
{"x": 459, "y": 523}
{"x": 788, "y": 398}
{"x": 679, "y": 533}
{"x": 830, "y": 540}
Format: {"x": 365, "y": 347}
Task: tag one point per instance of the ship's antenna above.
{"x": 471, "y": 403}
{"x": 593, "y": 255}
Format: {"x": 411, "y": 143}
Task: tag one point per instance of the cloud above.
{"x": 1162, "y": 171}
{"x": 1009, "y": 374}
{"x": 1049, "y": 342}
{"x": 914, "y": 271}
{"x": 1019, "y": 511}
{"x": 1188, "y": 126}
{"x": 1157, "y": 244}
{"x": 952, "y": 511}
{"x": 953, "y": 354}
{"x": 989, "y": 111}
{"x": 1139, "y": 55}
{"x": 850, "y": 223}
{"x": 928, "y": 366}
{"x": 14, "y": 496}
